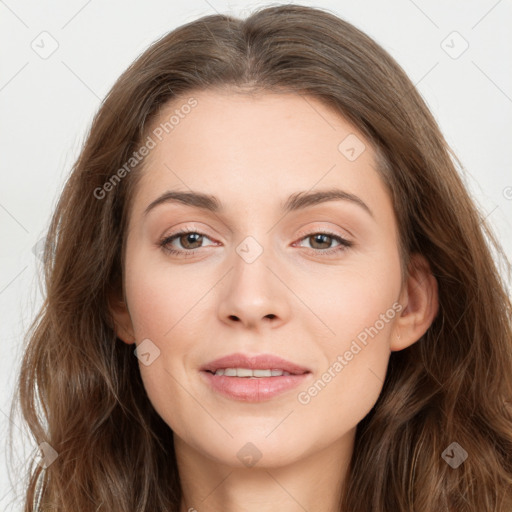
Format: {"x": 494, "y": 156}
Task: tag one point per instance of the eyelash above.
{"x": 164, "y": 243}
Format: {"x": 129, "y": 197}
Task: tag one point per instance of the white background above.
{"x": 47, "y": 105}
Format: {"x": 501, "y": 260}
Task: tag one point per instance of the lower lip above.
{"x": 253, "y": 390}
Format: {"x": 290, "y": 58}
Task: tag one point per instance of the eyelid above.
{"x": 324, "y": 227}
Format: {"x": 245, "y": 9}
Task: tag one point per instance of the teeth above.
{"x": 247, "y": 372}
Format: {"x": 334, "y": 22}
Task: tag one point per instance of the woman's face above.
{"x": 267, "y": 273}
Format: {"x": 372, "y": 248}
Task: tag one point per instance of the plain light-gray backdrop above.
{"x": 59, "y": 59}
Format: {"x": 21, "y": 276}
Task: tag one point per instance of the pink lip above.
{"x": 253, "y": 389}
{"x": 256, "y": 362}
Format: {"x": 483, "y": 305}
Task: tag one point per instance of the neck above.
{"x": 313, "y": 482}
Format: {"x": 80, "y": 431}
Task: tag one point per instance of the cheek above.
{"x": 166, "y": 307}
{"x": 161, "y": 296}
{"x": 360, "y": 309}
{"x": 352, "y": 379}
{"x": 354, "y": 298}
{"x": 347, "y": 387}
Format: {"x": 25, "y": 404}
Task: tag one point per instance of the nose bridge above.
{"x": 253, "y": 292}
{"x": 252, "y": 277}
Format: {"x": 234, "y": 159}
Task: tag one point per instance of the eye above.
{"x": 319, "y": 241}
{"x": 189, "y": 239}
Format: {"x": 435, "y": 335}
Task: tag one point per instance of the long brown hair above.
{"x": 79, "y": 386}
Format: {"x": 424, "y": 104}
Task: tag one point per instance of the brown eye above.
{"x": 321, "y": 241}
{"x": 188, "y": 240}
{"x": 183, "y": 243}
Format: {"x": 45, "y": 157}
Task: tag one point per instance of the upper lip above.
{"x": 254, "y": 362}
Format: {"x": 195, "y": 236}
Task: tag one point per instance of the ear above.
{"x": 121, "y": 317}
{"x": 420, "y": 301}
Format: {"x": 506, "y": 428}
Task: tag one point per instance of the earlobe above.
{"x": 122, "y": 322}
{"x": 420, "y": 303}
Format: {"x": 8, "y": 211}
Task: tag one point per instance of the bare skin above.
{"x": 294, "y": 300}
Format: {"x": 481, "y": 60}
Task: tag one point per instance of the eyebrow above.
{"x": 296, "y": 201}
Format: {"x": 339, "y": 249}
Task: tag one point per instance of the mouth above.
{"x": 253, "y": 378}
{"x": 244, "y": 365}
{"x": 252, "y": 373}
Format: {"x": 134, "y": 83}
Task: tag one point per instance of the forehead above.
{"x": 255, "y": 147}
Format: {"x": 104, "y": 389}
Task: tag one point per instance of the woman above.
{"x": 267, "y": 216}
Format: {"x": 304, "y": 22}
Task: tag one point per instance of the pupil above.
{"x": 321, "y": 238}
{"x": 189, "y": 237}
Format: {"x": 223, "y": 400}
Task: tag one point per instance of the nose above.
{"x": 254, "y": 295}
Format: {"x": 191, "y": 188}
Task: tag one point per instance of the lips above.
{"x": 256, "y": 362}
{"x": 244, "y": 384}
